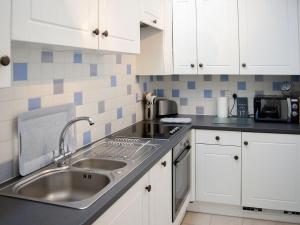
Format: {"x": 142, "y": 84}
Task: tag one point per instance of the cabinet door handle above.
{"x": 217, "y": 138}
{"x": 155, "y": 21}
{"x": 164, "y": 163}
{"x": 148, "y": 188}
{"x": 5, "y": 60}
{"x": 236, "y": 158}
{"x": 96, "y": 31}
{"x": 246, "y": 143}
{"x": 200, "y": 65}
{"x": 244, "y": 65}
{"x": 192, "y": 65}
{"x": 105, "y": 33}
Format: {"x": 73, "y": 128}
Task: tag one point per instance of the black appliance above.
{"x": 276, "y": 109}
{"x": 181, "y": 171}
{"x": 149, "y": 130}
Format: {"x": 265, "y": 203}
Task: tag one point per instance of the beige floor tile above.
{"x": 225, "y": 220}
{"x": 258, "y": 222}
{"x": 197, "y": 219}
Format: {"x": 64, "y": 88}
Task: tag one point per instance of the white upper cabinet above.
{"x": 119, "y": 25}
{"x": 184, "y": 37}
{"x": 269, "y": 38}
{"x": 57, "y": 22}
{"x": 5, "y": 23}
{"x": 271, "y": 172}
{"x": 217, "y": 35}
{"x": 152, "y": 13}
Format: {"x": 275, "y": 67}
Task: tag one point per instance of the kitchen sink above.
{"x": 103, "y": 164}
{"x": 63, "y": 186}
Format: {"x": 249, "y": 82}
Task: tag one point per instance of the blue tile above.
{"x": 93, "y": 70}
{"x": 208, "y": 93}
{"x": 276, "y": 86}
{"x": 295, "y": 78}
{"x": 222, "y": 93}
{"x": 119, "y": 113}
{"x": 87, "y": 138}
{"x": 119, "y": 59}
{"x": 259, "y": 78}
{"x": 145, "y": 87}
{"x": 224, "y": 78}
{"x": 113, "y": 81}
{"x": 128, "y": 69}
{"x": 101, "y": 107}
{"x": 175, "y": 77}
{"x": 107, "y": 129}
{"x": 159, "y": 78}
{"x": 46, "y": 57}
{"x": 78, "y": 98}
{"x": 34, "y": 103}
{"x": 151, "y": 78}
{"x": 77, "y": 58}
{"x": 183, "y": 101}
{"x": 199, "y": 110}
{"x": 191, "y": 85}
{"x": 175, "y": 93}
{"x": 20, "y": 71}
{"x": 207, "y": 77}
{"x": 160, "y": 92}
{"x": 259, "y": 93}
{"x": 58, "y": 86}
{"x": 129, "y": 89}
{"x": 242, "y": 86}
{"x": 133, "y": 118}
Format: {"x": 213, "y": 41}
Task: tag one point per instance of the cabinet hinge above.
{"x": 292, "y": 213}
{"x": 252, "y": 209}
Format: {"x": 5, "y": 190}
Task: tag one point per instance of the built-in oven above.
{"x": 181, "y": 174}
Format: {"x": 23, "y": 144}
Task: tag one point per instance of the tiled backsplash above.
{"x": 101, "y": 86}
{"x": 198, "y": 94}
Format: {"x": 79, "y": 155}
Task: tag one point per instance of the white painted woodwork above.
{"x": 121, "y": 20}
{"x": 269, "y": 38}
{"x": 271, "y": 172}
{"x": 225, "y": 137}
{"x": 156, "y": 57}
{"x": 152, "y": 13}
{"x": 218, "y": 174}
{"x": 160, "y": 178}
{"x": 56, "y": 22}
{"x": 217, "y": 36}
{"x": 131, "y": 209}
{"x": 184, "y": 37}
{"x": 5, "y": 40}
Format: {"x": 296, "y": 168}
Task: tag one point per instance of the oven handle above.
{"x": 183, "y": 155}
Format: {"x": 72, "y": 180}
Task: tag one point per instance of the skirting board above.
{"x": 227, "y": 210}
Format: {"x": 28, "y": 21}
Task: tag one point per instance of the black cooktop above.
{"x": 149, "y": 130}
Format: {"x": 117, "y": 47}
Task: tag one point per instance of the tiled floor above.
{"x": 207, "y": 219}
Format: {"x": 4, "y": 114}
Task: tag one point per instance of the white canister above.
{"x": 222, "y": 106}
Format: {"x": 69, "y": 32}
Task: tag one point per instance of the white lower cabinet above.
{"x": 218, "y": 174}
{"x": 148, "y": 202}
{"x": 271, "y": 171}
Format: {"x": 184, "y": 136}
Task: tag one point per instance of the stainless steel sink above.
{"x": 63, "y": 186}
{"x": 103, "y": 164}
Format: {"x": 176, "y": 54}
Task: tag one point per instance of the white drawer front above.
{"x": 217, "y": 137}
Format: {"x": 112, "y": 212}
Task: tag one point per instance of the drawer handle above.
{"x": 96, "y": 31}
{"x": 164, "y": 163}
{"x": 105, "y": 33}
{"x": 4, "y": 60}
{"x": 217, "y": 138}
{"x": 148, "y": 188}
{"x": 236, "y": 157}
{"x": 246, "y": 143}
{"x": 192, "y": 65}
{"x": 155, "y": 21}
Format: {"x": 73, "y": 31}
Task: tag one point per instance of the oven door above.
{"x": 181, "y": 180}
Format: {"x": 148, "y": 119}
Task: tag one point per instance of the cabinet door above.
{"x": 271, "y": 172}
{"x": 131, "y": 209}
{"x": 218, "y": 174}
{"x": 217, "y": 37}
{"x": 5, "y": 69}
{"x": 160, "y": 178}
{"x": 184, "y": 37}
{"x": 152, "y": 13}
{"x": 58, "y": 22}
{"x": 269, "y": 38}
{"x": 119, "y": 25}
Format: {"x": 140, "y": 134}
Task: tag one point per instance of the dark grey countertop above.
{"x": 17, "y": 211}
